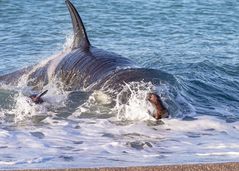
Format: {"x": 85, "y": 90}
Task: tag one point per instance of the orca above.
{"x": 87, "y": 67}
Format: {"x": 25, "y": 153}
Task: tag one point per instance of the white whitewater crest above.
{"x": 132, "y": 103}
{"x": 25, "y": 109}
{"x": 129, "y": 104}
{"x": 98, "y": 103}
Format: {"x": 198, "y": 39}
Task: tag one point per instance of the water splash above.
{"x": 68, "y": 42}
{"x": 60, "y": 55}
{"x": 131, "y": 103}
{"x": 23, "y": 108}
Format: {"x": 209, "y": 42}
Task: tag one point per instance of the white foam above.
{"x": 136, "y": 107}
{"x": 25, "y": 109}
{"x": 101, "y": 98}
{"x": 107, "y": 140}
{"x": 222, "y": 145}
{"x": 203, "y": 123}
{"x": 2, "y": 163}
{"x": 230, "y": 153}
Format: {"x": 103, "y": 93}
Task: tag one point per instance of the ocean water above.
{"x": 195, "y": 42}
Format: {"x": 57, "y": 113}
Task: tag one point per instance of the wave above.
{"x": 212, "y": 89}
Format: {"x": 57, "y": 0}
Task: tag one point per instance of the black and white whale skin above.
{"x": 85, "y": 66}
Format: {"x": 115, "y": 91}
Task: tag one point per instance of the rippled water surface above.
{"x": 195, "y": 42}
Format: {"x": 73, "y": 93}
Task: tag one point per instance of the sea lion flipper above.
{"x": 36, "y": 98}
{"x": 42, "y": 94}
{"x": 80, "y": 36}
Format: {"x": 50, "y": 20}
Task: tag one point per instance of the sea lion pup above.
{"x": 161, "y": 111}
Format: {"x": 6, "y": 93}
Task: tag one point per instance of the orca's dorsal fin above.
{"x": 80, "y": 37}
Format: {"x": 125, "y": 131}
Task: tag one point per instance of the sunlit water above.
{"x": 196, "y": 43}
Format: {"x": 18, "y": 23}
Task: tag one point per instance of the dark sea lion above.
{"x": 86, "y": 67}
{"x": 161, "y": 111}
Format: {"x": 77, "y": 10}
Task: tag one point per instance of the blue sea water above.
{"x": 197, "y": 42}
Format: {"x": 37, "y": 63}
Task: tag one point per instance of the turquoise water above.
{"x": 196, "y": 42}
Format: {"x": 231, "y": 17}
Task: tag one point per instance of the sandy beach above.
{"x": 187, "y": 167}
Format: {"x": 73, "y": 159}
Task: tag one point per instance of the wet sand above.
{"x": 183, "y": 167}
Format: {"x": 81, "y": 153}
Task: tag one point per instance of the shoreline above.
{"x": 230, "y": 166}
